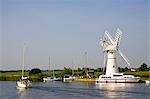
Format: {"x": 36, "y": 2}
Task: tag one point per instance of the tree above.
{"x": 123, "y": 69}
{"x": 143, "y": 67}
{"x": 99, "y": 70}
{"x": 126, "y": 69}
{"x": 82, "y": 72}
{"x": 79, "y": 69}
{"x": 67, "y": 71}
{"x": 35, "y": 71}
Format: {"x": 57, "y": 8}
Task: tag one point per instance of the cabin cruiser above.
{"x": 117, "y": 78}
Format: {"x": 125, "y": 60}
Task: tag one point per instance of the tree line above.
{"x": 83, "y": 71}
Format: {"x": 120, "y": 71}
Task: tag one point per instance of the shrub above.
{"x": 35, "y": 71}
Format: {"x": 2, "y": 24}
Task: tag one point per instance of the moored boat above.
{"x": 147, "y": 81}
{"x": 52, "y": 78}
{"x": 117, "y": 78}
{"x": 24, "y": 82}
{"x": 67, "y": 78}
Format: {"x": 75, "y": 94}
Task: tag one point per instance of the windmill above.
{"x": 110, "y": 48}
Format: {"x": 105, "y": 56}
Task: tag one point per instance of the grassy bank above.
{"x": 11, "y": 76}
{"x": 14, "y": 76}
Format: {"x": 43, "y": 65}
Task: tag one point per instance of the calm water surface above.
{"x": 75, "y": 90}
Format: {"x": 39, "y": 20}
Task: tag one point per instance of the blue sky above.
{"x": 66, "y": 29}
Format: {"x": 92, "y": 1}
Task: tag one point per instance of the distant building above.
{"x": 91, "y": 73}
{"x": 134, "y": 69}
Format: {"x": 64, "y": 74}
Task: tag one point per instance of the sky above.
{"x": 65, "y": 29}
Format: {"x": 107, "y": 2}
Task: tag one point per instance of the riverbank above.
{"x": 15, "y": 76}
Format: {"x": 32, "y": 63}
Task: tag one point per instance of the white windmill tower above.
{"x": 110, "y": 48}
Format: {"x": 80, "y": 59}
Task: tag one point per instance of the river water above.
{"x": 75, "y": 90}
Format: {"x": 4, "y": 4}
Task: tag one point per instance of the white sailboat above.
{"x": 110, "y": 47}
{"x": 67, "y": 78}
{"x": 51, "y": 78}
{"x": 24, "y": 82}
{"x": 147, "y": 81}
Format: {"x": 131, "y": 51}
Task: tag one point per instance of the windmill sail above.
{"x": 118, "y": 37}
{"x": 109, "y": 38}
{"x": 124, "y": 57}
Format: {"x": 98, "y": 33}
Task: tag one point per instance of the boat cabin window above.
{"x": 127, "y": 77}
{"x": 117, "y": 75}
{"x": 106, "y": 77}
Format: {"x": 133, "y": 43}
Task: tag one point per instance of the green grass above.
{"x": 99, "y": 73}
{"x": 140, "y": 73}
{"x": 12, "y": 76}
{"x": 143, "y": 74}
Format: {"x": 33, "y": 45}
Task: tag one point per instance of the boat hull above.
{"x": 130, "y": 80}
{"x": 51, "y": 79}
{"x": 47, "y": 79}
{"x": 58, "y": 79}
{"x": 147, "y": 81}
{"x": 22, "y": 84}
{"x": 67, "y": 79}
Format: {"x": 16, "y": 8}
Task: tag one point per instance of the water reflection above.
{"x": 115, "y": 90}
{"x": 22, "y": 93}
{"x": 114, "y": 86}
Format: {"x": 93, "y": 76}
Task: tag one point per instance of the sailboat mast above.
{"x": 53, "y": 73}
{"x": 72, "y": 68}
{"x": 23, "y": 57}
{"x": 49, "y": 64}
{"x": 86, "y": 64}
